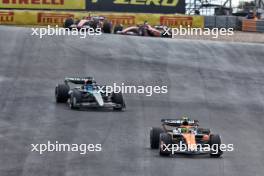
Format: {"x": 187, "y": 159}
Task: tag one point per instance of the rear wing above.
{"x": 78, "y": 80}
{"x": 178, "y": 122}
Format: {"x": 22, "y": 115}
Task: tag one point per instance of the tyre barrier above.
{"x": 249, "y": 26}
{"x": 253, "y": 25}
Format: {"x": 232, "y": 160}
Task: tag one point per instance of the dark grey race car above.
{"x": 88, "y": 94}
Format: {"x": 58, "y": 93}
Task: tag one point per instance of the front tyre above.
{"x": 117, "y": 98}
{"x": 154, "y": 137}
{"x": 75, "y": 99}
{"x": 62, "y": 93}
{"x": 68, "y": 22}
{"x": 215, "y": 143}
{"x": 165, "y": 140}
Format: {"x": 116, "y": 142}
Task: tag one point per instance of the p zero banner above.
{"x": 43, "y": 4}
{"x": 44, "y": 18}
{"x": 140, "y": 6}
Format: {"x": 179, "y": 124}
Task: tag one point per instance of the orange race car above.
{"x": 184, "y": 136}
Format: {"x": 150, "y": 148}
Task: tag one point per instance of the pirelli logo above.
{"x": 125, "y": 20}
{"x": 33, "y": 2}
{"x": 176, "y": 21}
{"x": 43, "y": 4}
{"x": 6, "y": 17}
{"x": 51, "y": 18}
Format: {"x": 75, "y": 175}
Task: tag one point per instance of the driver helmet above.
{"x": 88, "y": 84}
{"x": 185, "y": 120}
{"x": 88, "y": 81}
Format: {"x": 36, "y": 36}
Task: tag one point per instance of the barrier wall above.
{"x": 260, "y": 25}
{"x": 222, "y": 22}
{"x": 29, "y": 17}
{"x": 249, "y": 25}
{"x": 253, "y": 25}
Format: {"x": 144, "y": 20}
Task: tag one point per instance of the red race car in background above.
{"x": 144, "y": 30}
{"x": 89, "y": 22}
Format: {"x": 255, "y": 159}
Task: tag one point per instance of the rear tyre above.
{"x": 165, "y": 139}
{"x": 154, "y": 137}
{"x": 107, "y": 27}
{"x": 215, "y": 143}
{"x": 117, "y": 98}
{"x": 75, "y": 99}
{"x": 68, "y": 22}
{"x": 62, "y": 93}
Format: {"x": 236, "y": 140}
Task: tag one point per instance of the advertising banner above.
{"x": 43, "y": 4}
{"x": 17, "y": 17}
{"x": 129, "y": 19}
{"x": 140, "y": 6}
{"x": 44, "y": 18}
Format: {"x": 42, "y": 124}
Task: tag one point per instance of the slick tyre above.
{"x": 165, "y": 139}
{"x": 62, "y": 93}
{"x": 117, "y": 98}
{"x": 215, "y": 142}
{"x": 75, "y": 98}
{"x": 154, "y": 137}
{"x": 68, "y": 22}
{"x": 107, "y": 27}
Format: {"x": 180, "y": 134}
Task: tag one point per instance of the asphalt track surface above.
{"x": 220, "y": 84}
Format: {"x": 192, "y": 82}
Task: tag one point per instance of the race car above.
{"x": 184, "y": 136}
{"x": 144, "y": 30}
{"x": 95, "y": 22}
{"x": 87, "y": 94}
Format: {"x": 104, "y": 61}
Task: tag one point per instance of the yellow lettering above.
{"x": 138, "y": 2}
{"x": 121, "y": 2}
{"x": 167, "y": 3}
{"x": 155, "y": 2}
{"x": 170, "y": 3}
